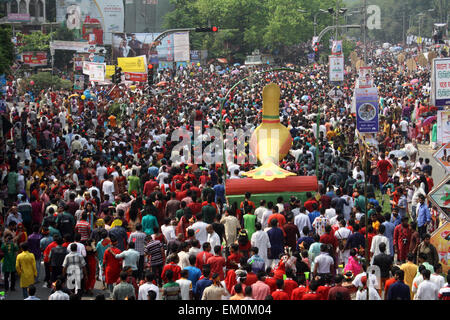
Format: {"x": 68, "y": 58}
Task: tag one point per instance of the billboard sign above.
{"x": 336, "y": 68}
{"x": 443, "y": 126}
{"x": 441, "y": 241}
{"x": 18, "y": 17}
{"x": 35, "y": 59}
{"x": 440, "y": 95}
{"x": 440, "y": 196}
{"x": 367, "y": 110}
{"x": 99, "y": 17}
{"x": 442, "y": 156}
{"x": 365, "y": 78}
{"x": 173, "y": 48}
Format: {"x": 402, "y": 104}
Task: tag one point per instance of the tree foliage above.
{"x": 45, "y": 80}
{"x": 246, "y": 25}
{"x": 6, "y": 49}
{"x": 35, "y": 41}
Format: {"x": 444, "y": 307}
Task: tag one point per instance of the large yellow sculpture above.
{"x": 271, "y": 141}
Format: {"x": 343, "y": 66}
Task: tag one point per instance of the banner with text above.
{"x": 441, "y": 82}
{"x": 336, "y": 68}
{"x": 367, "y": 110}
{"x": 133, "y": 64}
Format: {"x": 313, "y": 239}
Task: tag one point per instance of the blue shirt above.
{"x": 257, "y": 263}
{"x": 423, "y": 215}
{"x": 389, "y": 233}
{"x": 399, "y": 291}
{"x": 397, "y": 221}
{"x": 313, "y": 215}
{"x": 219, "y": 189}
{"x": 276, "y": 238}
{"x": 308, "y": 241}
{"x": 153, "y": 171}
{"x": 194, "y": 275}
{"x": 201, "y": 286}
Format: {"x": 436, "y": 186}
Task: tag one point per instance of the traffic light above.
{"x": 208, "y": 29}
{"x": 150, "y": 75}
{"x": 117, "y": 76}
{"x": 315, "y": 47}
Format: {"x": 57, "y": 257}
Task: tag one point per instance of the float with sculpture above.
{"x": 271, "y": 142}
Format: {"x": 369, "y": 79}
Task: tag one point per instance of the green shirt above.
{"x": 53, "y": 231}
{"x": 134, "y": 184}
{"x": 171, "y": 291}
{"x": 361, "y": 203}
{"x": 434, "y": 133}
{"x": 209, "y": 213}
{"x": 9, "y": 260}
{"x": 249, "y": 224}
{"x": 149, "y": 222}
{"x": 12, "y": 182}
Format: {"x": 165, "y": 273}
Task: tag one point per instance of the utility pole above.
{"x": 365, "y": 31}
{"x": 337, "y": 18}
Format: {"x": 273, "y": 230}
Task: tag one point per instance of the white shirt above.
{"x": 404, "y": 125}
{"x": 362, "y": 294}
{"x": 260, "y": 239}
{"x": 259, "y": 213}
{"x": 200, "y": 231}
{"x": 185, "y": 287}
{"x": 438, "y": 280}
{"x": 427, "y": 290}
{"x": 375, "y": 248}
{"x": 372, "y": 282}
{"x": 59, "y": 295}
{"x": 347, "y": 208}
{"x": 330, "y": 213}
{"x": 108, "y": 188}
{"x": 168, "y": 232}
{"x": 213, "y": 239}
{"x": 81, "y": 249}
{"x": 183, "y": 259}
{"x": 323, "y": 262}
{"x": 280, "y": 207}
{"x": 100, "y": 172}
{"x": 301, "y": 221}
{"x": 265, "y": 218}
{"x": 145, "y": 288}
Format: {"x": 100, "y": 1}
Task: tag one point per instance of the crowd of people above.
{"x": 93, "y": 198}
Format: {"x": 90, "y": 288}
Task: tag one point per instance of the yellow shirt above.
{"x": 26, "y": 268}
{"x": 376, "y": 225}
{"x": 410, "y": 270}
{"x": 39, "y": 174}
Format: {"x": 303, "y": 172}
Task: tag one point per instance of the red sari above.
{"x": 91, "y": 268}
{"x": 113, "y": 266}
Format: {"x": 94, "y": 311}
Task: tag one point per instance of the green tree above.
{"x": 6, "y": 49}
{"x": 35, "y": 41}
{"x": 45, "y": 80}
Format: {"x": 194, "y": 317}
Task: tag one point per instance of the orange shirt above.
{"x": 112, "y": 121}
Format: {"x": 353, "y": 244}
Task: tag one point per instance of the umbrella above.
{"x": 429, "y": 120}
{"x": 235, "y": 71}
{"x": 74, "y": 95}
{"x": 414, "y": 81}
{"x": 305, "y": 98}
{"x": 406, "y": 84}
{"x": 398, "y": 153}
{"x": 161, "y": 84}
{"x": 236, "y": 64}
